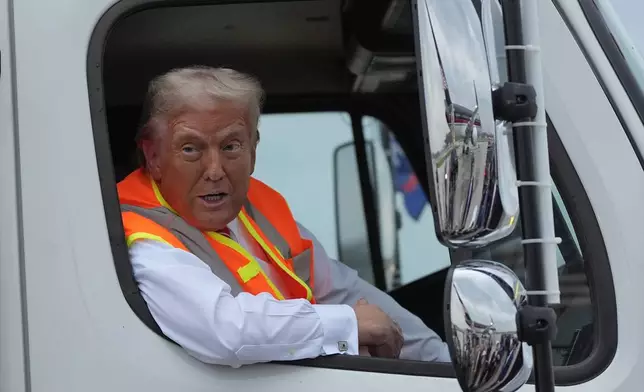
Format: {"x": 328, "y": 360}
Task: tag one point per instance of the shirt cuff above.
{"x": 340, "y": 329}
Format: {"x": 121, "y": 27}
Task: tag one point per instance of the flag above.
{"x": 406, "y": 182}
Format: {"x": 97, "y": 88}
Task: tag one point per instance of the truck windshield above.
{"x": 624, "y": 19}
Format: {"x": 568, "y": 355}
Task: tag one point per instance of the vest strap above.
{"x": 191, "y": 237}
{"x": 269, "y": 230}
{"x": 278, "y": 260}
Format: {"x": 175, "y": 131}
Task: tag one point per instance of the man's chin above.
{"x": 214, "y": 220}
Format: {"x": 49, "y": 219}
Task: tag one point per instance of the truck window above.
{"x": 419, "y": 252}
{"x": 309, "y": 188}
{"x": 308, "y": 139}
{"x": 416, "y": 253}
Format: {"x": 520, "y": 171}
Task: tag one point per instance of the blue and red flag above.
{"x": 406, "y": 182}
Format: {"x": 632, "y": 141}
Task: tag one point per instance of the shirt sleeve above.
{"x": 337, "y": 283}
{"x": 195, "y": 309}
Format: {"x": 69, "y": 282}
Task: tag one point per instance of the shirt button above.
{"x": 343, "y": 346}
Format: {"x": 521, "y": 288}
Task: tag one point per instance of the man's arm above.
{"x": 335, "y": 283}
{"x": 194, "y": 308}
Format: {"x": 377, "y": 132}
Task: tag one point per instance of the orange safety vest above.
{"x": 266, "y": 216}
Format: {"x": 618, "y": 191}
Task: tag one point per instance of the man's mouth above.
{"x": 214, "y": 197}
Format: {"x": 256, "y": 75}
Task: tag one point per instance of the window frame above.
{"x": 346, "y": 102}
{"x": 580, "y": 211}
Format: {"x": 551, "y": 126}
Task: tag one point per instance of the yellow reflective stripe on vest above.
{"x": 252, "y": 268}
{"x": 159, "y": 196}
{"x": 249, "y": 271}
{"x": 144, "y": 236}
{"x": 272, "y": 255}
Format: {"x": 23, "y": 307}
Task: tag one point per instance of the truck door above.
{"x": 82, "y": 334}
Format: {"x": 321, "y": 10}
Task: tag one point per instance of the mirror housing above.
{"x": 483, "y": 300}
{"x": 473, "y": 186}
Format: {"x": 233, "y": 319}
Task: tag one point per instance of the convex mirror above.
{"x": 482, "y": 300}
{"x": 469, "y": 159}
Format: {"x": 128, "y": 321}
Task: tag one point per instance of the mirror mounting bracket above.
{"x": 536, "y": 325}
{"x": 514, "y": 102}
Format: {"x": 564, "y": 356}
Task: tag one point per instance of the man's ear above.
{"x": 153, "y": 163}
{"x": 253, "y": 155}
{"x": 253, "y": 152}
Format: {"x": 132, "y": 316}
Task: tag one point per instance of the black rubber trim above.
{"x": 22, "y": 272}
{"x": 618, "y": 62}
{"x": 380, "y": 365}
{"x": 597, "y": 266}
{"x": 369, "y": 201}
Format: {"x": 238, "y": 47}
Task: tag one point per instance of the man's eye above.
{"x": 232, "y": 146}
{"x": 190, "y": 152}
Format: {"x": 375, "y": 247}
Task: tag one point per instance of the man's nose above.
{"x": 214, "y": 168}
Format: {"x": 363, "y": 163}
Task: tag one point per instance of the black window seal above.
{"x": 369, "y": 200}
{"x": 617, "y": 60}
{"x": 596, "y": 267}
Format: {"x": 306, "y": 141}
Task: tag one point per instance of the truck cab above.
{"x": 341, "y": 138}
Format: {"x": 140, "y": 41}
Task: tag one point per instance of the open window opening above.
{"x": 325, "y": 65}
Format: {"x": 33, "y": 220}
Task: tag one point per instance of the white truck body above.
{"x": 64, "y": 323}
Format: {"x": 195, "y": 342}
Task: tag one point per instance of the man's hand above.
{"x": 378, "y": 331}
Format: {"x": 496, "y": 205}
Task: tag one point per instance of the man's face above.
{"x": 203, "y": 163}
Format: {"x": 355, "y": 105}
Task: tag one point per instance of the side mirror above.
{"x": 482, "y": 304}
{"x": 353, "y": 239}
{"x": 473, "y": 189}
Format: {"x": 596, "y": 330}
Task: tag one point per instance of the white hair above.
{"x": 197, "y": 88}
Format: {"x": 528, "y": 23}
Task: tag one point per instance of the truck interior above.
{"x": 356, "y": 56}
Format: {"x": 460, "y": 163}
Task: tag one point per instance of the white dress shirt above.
{"x": 195, "y": 308}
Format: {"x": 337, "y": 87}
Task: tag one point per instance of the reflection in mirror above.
{"x": 481, "y": 305}
{"x": 466, "y": 154}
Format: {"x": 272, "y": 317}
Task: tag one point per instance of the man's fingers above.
{"x": 393, "y": 343}
{"x": 362, "y": 301}
{"x": 384, "y": 351}
{"x": 398, "y": 338}
{"x": 398, "y": 329}
{"x": 364, "y": 351}
{"x": 387, "y": 350}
